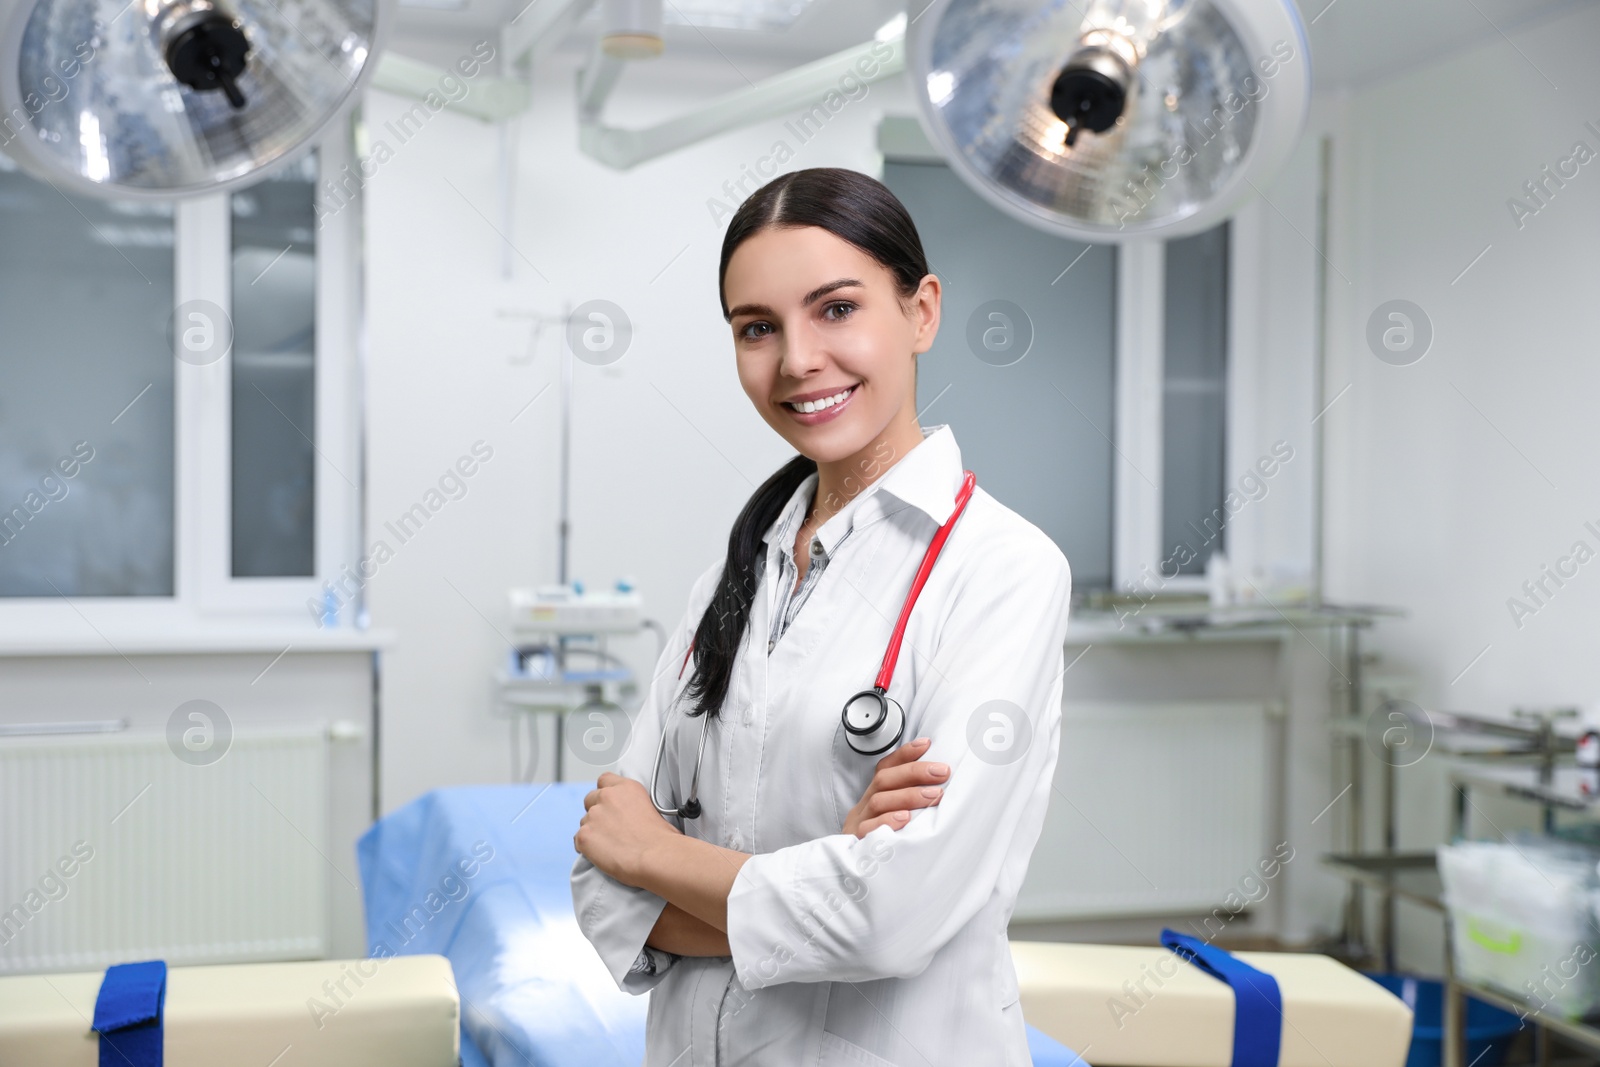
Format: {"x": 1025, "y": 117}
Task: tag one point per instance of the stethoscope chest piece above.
{"x": 873, "y": 722}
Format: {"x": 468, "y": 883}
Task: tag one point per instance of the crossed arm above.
{"x": 623, "y": 835}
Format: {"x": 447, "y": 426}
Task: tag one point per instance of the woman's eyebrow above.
{"x": 810, "y": 298}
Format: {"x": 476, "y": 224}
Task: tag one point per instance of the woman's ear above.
{"x": 925, "y": 313}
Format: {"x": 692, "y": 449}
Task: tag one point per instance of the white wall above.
{"x": 1452, "y": 481}
{"x": 666, "y": 447}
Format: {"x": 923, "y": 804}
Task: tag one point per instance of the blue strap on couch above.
{"x": 127, "y": 1014}
{"x": 1258, "y": 1003}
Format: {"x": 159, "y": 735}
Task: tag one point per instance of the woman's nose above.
{"x": 802, "y": 353}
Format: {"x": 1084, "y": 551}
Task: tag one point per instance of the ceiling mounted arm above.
{"x": 492, "y": 99}
{"x": 595, "y": 81}
{"x": 539, "y": 27}
{"x": 842, "y": 75}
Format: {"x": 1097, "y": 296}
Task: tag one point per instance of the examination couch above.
{"x": 474, "y": 956}
{"x": 534, "y": 991}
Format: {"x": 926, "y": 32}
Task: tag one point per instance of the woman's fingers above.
{"x": 592, "y": 797}
{"x": 903, "y": 800}
{"x": 922, "y": 772}
{"x": 894, "y": 820}
{"x": 607, "y": 780}
{"x": 897, "y": 787}
{"x": 905, "y": 753}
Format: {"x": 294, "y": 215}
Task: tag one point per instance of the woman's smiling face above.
{"x": 818, "y": 323}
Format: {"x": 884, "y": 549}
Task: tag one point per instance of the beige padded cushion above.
{"x": 404, "y": 1013}
{"x": 1182, "y": 1017}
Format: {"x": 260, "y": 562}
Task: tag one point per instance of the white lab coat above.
{"x": 890, "y": 949}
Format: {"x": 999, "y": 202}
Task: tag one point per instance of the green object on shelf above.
{"x": 1509, "y": 945}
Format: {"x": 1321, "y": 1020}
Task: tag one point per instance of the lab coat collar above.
{"x": 927, "y": 478}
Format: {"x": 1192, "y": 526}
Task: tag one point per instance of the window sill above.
{"x": 219, "y": 639}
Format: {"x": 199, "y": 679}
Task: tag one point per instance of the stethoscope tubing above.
{"x": 929, "y": 558}
{"x": 690, "y": 809}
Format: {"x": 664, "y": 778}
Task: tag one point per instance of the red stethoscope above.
{"x": 873, "y": 721}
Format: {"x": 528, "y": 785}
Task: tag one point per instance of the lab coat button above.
{"x": 816, "y": 546}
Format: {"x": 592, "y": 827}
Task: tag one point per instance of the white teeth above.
{"x": 808, "y": 406}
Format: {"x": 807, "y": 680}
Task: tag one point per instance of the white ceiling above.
{"x": 824, "y": 27}
{"x": 1353, "y": 42}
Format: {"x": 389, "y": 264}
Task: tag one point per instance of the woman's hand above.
{"x": 619, "y": 825}
{"x": 900, "y": 785}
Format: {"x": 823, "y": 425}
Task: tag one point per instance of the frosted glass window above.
{"x": 274, "y": 375}
{"x": 86, "y": 394}
{"x": 1023, "y": 369}
{"x": 1194, "y": 399}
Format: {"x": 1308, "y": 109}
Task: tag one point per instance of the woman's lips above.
{"x": 816, "y": 418}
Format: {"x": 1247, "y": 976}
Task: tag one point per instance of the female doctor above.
{"x": 815, "y": 839}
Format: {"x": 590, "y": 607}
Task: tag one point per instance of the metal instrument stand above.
{"x": 1414, "y": 876}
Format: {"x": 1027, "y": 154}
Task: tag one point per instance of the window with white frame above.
{"x": 179, "y": 430}
{"x": 1087, "y": 384}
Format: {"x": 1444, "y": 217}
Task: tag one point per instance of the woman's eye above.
{"x": 843, "y": 307}
{"x": 745, "y": 331}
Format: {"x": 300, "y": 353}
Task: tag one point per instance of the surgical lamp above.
{"x": 157, "y": 99}
{"x": 1108, "y": 120}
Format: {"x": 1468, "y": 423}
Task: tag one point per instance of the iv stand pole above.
{"x": 564, "y": 522}
{"x": 564, "y": 528}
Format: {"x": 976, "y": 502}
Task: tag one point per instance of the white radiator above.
{"x": 113, "y": 849}
{"x": 1158, "y": 808}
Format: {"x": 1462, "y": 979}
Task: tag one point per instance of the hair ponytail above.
{"x": 855, "y": 208}
{"x": 716, "y": 639}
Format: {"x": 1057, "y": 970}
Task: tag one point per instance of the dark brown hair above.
{"x": 855, "y": 208}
